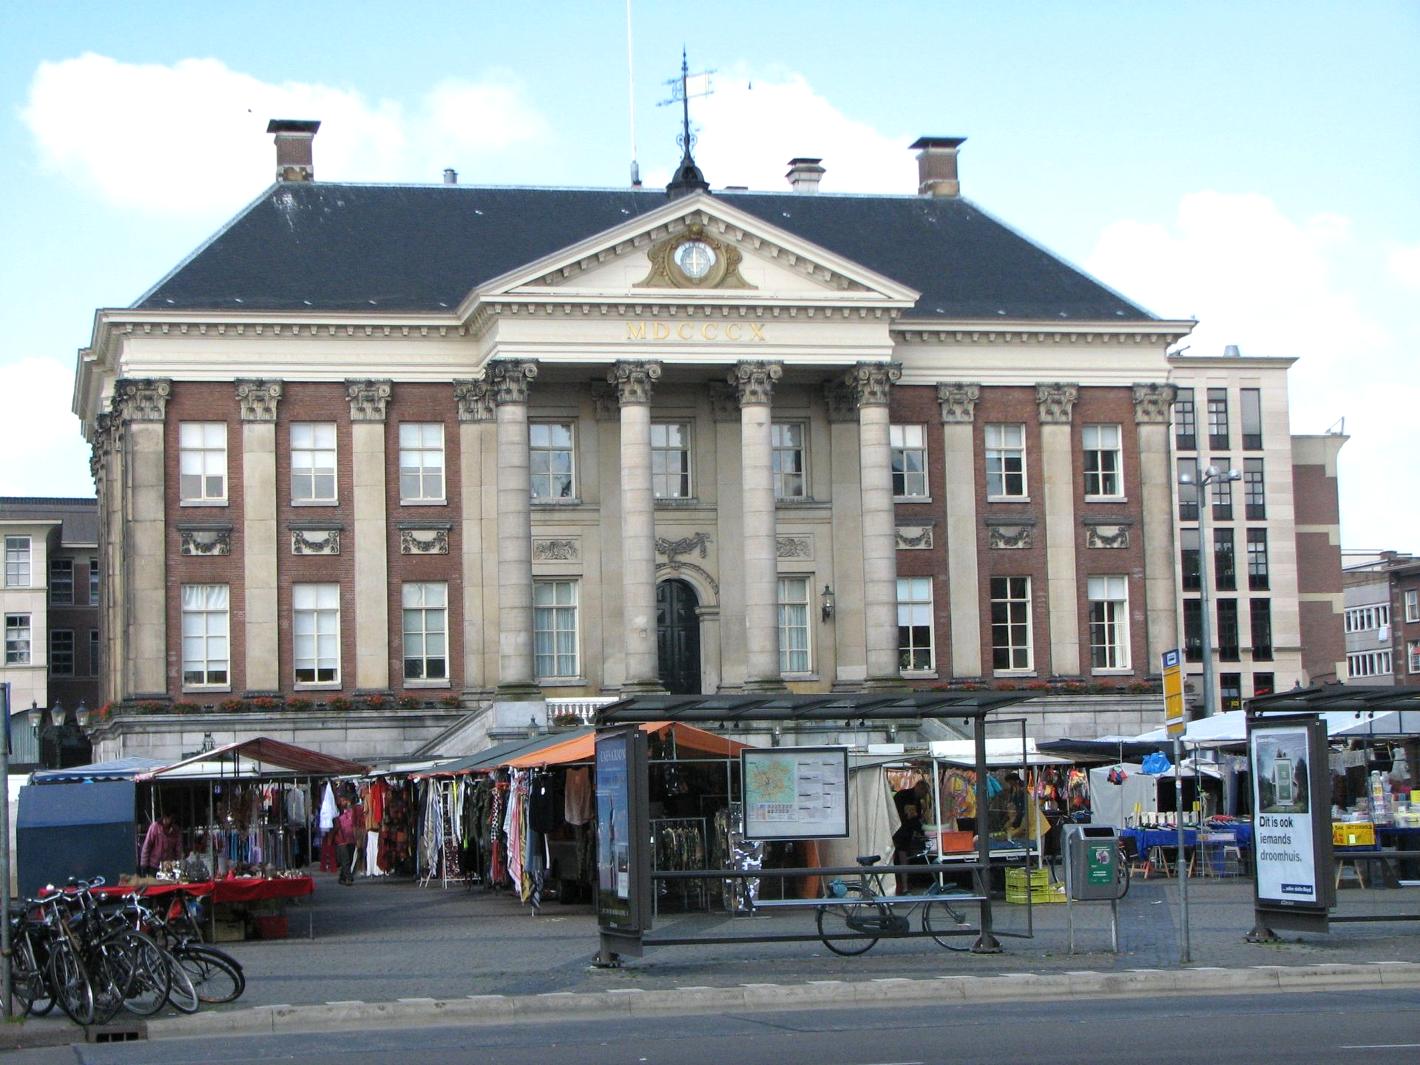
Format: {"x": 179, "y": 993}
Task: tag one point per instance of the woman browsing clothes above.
{"x": 162, "y": 843}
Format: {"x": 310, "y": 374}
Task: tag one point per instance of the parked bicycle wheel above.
{"x": 836, "y": 921}
{"x": 29, "y": 991}
{"x": 182, "y": 995}
{"x": 69, "y": 982}
{"x": 149, "y": 979}
{"x": 215, "y": 976}
{"x": 947, "y": 924}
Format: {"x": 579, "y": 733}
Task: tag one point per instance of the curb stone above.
{"x": 1024, "y": 986}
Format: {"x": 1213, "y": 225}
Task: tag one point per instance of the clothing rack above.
{"x": 680, "y": 845}
{"x": 448, "y": 868}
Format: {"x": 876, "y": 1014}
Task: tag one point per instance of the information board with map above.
{"x": 795, "y": 792}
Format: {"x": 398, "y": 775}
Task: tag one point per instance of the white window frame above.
{"x": 1412, "y": 655}
{"x": 93, "y": 582}
{"x": 202, "y": 453}
{"x": 206, "y": 637}
{"x": 1005, "y": 443}
{"x": 315, "y": 451}
{"x": 793, "y": 597}
{"x": 542, "y": 481}
{"x": 908, "y": 442}
{"x": 1367, "y": 617}
{"x": 422, "y": 460}
{"x": 1412, "y": 605}
{"x": 1360, "y": 664}
{"x": 19, "y": 561}
{"x": 1103, "y": 461}
{"x": 56, "y": 566}
{"x": 424, "y": 625}
{"x": 95, "y": 652}
{"x": 1109, "y": 623}
{"x": 783, "y": 449}
{"x": 671, "y": 476}
{"x": 914, "y": 614}
{"x": 1019, "y": 613}
{"x": 59, "y": 655}
{"x": 19, "y": 639}
{"x": 315, "y": 608}
{"x": 557, "y": 616}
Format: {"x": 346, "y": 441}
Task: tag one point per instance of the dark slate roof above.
{"x": 412, "y": 248}
{"x": 78, "y": 517}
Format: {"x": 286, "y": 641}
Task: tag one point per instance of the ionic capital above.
{"x": 1153, "y": 403}
{"x": 871, "y": 382}
{"x": 958, "y": 402}
{"x": 633, "y": 381}
{"x": 140, "y": 399}
{"x": 1056, "y": 401}
{"x": 753, "y": 381}
{"x": 473, "y": 396}
{"x": 511, "y": 379}
{"x": 369, "y": 399}
{"x": 258, "y": 399}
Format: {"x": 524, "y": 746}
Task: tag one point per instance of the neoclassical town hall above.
{"x": 465, "y": 449}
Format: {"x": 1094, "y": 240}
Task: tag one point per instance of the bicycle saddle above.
{"x": 869, "y": 859}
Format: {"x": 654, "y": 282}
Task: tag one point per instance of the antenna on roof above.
{"x": 688, "y": 177}
{"x": 631, "y": 100}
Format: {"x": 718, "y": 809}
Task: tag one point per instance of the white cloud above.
{"x": 189, "y": 138}
{"x": 1274, "y": 285}
{"x": 44, "y": 451}
{"x": 1404, "y": 263}
{"x": 753, "y": 125}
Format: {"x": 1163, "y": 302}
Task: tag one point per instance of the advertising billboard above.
{"x": 1292, "y": 813}
{"x": 623, "y": 832}
{"x": 795, "y": 792}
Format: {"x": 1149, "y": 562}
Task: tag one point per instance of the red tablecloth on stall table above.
{"x": 240, "y": 889}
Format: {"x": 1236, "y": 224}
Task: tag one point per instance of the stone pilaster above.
{"x": 633, "y": 382}
{"x": 846, "y": 633}
{"x": 729, "y": 492}
{"x": 369, "y": 402}
{"x": 258, "y": 401}
{"x": 872, "y": 387}
{"x": 754, "y": 385}
{"x": 510, "y": 380}
{"x": 1153, "y": 405}
{"x": 1056, "y": 403}
{"x": 474, "y": 402}
{"x": 958, "y": 403}
{"x": 140, "y": 406}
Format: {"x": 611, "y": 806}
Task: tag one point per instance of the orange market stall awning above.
{"x": 582, "y": 748}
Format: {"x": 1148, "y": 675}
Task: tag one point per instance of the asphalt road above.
{"x": 1374, "y": 1028}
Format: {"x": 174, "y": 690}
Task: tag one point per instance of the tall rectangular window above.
{"x": 94, "y": 663}
{"x": 914, "y": 624}
{"x": 1260, "y": 614}
{"x": 93, "y": 582}
{"x": 421, "y": 462}
{"x": 787, "y": 442}
{"x": 1229, "y": 692}
{"x": 1225, "y": 571}
{"x": 1191, "y": 559}
{"x": 1258, "y": 577}
{"x": 1193, "y": 630}
{"x": 670, "y": 460}
{"x": 17, "y": 639}
{"x": 794, "y": 656}
{"x": 1188, "y": 493}
{"x": 61, "y": 581}
{"x": 1254, "y": 491}
{"x": 1222, "y": 492}
{"x": 1264, "y": 683}
{"x": 1010, "y": 624}
{"x": 17, "y": 562}
{"x": 1228, "y": 646}
{"x": 1185, "y": 421}
{"x": 555, "y": 629}
{"x": 1218, "y": 418}
{"x": 206, "y": 654}
{"x": 202, "y": 462}
{"x": 313, "y": 462}
{"x": 1412, "y": 655}
{"x": 1103, "y": 462}
{"x": 315, "y": 624}
{"x": 909, "y": 461}
{"x": 61, "y": 652}
{"x": 552, "y": 459}
{"x": 1412, "y": 604}
{"x": 1005, "y": 461}
{"x": 426, "y": 630}
{"x": 1251, "y": 400}
{"x": 1109, "y": 622}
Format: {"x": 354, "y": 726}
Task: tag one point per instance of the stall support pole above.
{"x": 986, "y": 942}
{"x": 1184, "y": 953}
{"x": 5, "y": 988}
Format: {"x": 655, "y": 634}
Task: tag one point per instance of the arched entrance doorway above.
{"x": 678, "y": 637}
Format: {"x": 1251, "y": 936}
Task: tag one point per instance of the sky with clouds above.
{"x": 1249, "y": 164}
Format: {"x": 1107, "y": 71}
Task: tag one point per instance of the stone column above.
{"x": 872, "y": 387}
{"x": 846, "y": 629}
{"x": 958, "y": 402}
{"x": 510, "y": 380}
{"x": 729, "y": 527}
{"x": 258, "y": 401}
{"x": 1056, "y": 402}
{"x": 754, "y": 384}
{"x": 141, "y": 406}
{"x": 1153, "y": 405}
{"x": 474, "y": 400}
{"x": 633, "y": 382}
{"x": 104, "y": 465}
{"x": 369, "y": 402}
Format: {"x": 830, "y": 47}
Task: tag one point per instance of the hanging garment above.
{"x": 579, "y": 801}
{"x": 545, "y": 803}
{"x": 328, "y": 811}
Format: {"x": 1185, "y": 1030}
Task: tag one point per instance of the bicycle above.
{"x": 853, "y": 926}
{"x": 213, "y": 975}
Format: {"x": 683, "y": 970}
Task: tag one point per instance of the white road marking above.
{"x": 1381, "y": 1046}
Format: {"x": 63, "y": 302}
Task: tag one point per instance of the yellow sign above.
{"x": 711, "y": 331}
{"x": 1174, "y": 718}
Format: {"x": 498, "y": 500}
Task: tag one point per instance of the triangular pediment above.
{"x": 737, "y": 258}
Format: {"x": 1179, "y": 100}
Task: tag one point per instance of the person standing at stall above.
{"x": 349, "y": 823}
{"x": 1016, "y": 825}
{"x": 162, "y": 843}
{"x": 910, "y": 838}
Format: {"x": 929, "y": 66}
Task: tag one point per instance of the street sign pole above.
{"x": 1172, "y": 665}
{"x": 5, "y": 989}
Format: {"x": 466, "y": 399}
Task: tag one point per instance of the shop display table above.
{"x": 235, "y": 890}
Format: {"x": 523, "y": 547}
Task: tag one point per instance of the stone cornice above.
{"x": 915, "y": 331}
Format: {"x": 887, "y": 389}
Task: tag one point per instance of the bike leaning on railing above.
{"x": 860, "y": 911}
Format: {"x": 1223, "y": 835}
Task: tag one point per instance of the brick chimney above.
{"x": 937, "y": 166}
{"x": 805, "y": 174}
{"x": 294, "y": 159}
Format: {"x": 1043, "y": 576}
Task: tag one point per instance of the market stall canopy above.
{"x": 268, "y": 753}
{"x": 848, "y": 707}
{"x": 1001, "y": 753}
{"x": 582, "y": 747}
{"x": 1225, "y": 730}
{"x": 1101, "y": 749}
{"x": 1353, "y": 698}
{"x": 492, "y": 758}
{"x": 114, "y": 769}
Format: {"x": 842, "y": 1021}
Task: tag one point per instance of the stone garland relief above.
{"x": 205, "y": 542}
{"x": 1011, "y": 537}
{"x": 315, "y": 541}
{"x": 1107, "y": 536}
{"x": 423, "y": 541}
{"x": 556, "y": 551}
{"x": 794, "y": 547}
{"x": 914, "y": 537}
{"x": 673, "y": 549}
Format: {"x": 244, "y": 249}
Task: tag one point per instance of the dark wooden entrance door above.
{"x": 678, "y": 637}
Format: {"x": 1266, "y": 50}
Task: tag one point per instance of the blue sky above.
{"x": 1251, "y": 164}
